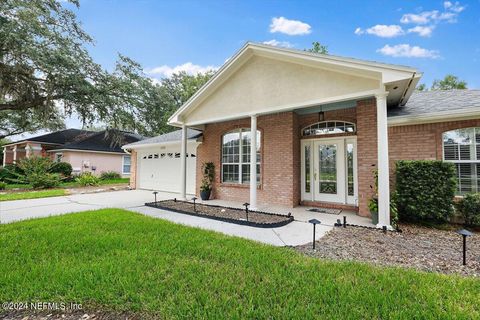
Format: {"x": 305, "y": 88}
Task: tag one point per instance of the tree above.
{"x": 449, "y": 82}
{"x": 46, "y": 73}
{"x": 171, "y": 94}
{"x": 421, "y": 87}
{"x": 317, "y": 47}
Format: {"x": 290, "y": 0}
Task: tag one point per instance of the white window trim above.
{"x": 455, "y": 162}
{"x": 57, "y": 154}
{"x": 240, "y": 164}
{"x": 326, "y": 134}
{"x": 123, "y": 164}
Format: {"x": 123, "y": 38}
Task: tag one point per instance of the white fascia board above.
{"x": 370, "y": 68}
{"x": 444, "y": 116}
{"x": 156, "y": 144}
{"x": 290, "y": 107}
{"x": 88, "y": 151}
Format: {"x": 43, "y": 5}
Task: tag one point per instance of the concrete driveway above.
{"x": 295, "y": 233}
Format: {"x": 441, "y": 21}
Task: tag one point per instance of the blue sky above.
{"x": 437, "y": 37}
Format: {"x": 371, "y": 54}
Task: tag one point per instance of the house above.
{"x": 319, "y": 126}
{"x": 86, "y": 151}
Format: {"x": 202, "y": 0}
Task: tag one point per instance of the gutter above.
{"x": 444, "y": 116}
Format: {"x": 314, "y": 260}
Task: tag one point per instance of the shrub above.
{"x": 208, "y": 173}
{"x": 36, "y": 171}
{"x": 425, "y": 190}
{"x": 88, "y": 179}
{"x": 469, "y": 208}
{"x": 63, "y": 168}
{"x": 3, "y": 185}
{"x": 110, "y": 175}
{"x": 9, "y": 172}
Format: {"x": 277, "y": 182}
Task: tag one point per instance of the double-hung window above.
{"x": 236, "y": 156}
{"x": 126, "y": 164}
{"x": 462, "y": 147}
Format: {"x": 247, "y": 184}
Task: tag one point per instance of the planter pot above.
{"x": 374, "y": 217}
{"x": 205, "y": 194}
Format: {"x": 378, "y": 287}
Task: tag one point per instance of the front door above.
{"x": 329, "y": 170}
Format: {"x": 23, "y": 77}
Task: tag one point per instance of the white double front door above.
{"x": 329, "y": 170}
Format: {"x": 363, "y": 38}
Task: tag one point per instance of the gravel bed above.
{"x": 72, "y": 315}
{"x": 224, "y": 212}
{"x": 416, "y": 247}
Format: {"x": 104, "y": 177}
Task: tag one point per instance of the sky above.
{"x": 436, "y": 37}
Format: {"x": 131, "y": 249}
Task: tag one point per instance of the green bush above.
{"x": 110, "y": 175}
{"x": 425, "y": 190}
{"x": 10, "y": 171}
{"x": 36, "y": 171}
{"x": 87, "y": 179}
{"x": 63, "y": 168}
{"x": 469, "y": 208}
{"x": 3, "y": 185}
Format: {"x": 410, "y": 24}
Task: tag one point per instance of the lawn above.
{"x": 115, "y": 259}
{"x": 70, "y": 184}
{"x": 32, "y": 194}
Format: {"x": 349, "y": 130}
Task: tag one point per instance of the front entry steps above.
{"x": 325, "y": 210}
{"x": 329, "y": 205}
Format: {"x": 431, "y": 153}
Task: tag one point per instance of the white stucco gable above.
{"x": 262, "y": 79}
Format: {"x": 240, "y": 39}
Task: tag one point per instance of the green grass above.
{"x": 118, "y": 260}
{"x": 32, "y": 194}
{"x": 70, "y": 184}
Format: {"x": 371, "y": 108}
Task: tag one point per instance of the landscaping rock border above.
{"x": 257, "y": 219}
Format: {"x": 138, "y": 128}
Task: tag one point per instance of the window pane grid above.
{"x": 330, "y": 127}
{"x": 236, "y": 156}
{"x": 462, "y": 148}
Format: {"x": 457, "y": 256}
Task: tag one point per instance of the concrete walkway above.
{"x": 295, "y": 233}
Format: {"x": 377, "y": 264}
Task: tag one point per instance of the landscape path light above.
{"x": 246, "y": 204}
{"x": 194, "y": 204}
{"x": 314, "y": 222}
{"x": 155, "y": 195}
{"x": 465, "y": 233}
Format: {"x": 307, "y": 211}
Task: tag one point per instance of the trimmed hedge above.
{"x": 63, "y": 168}
{"x": 425, "y": 190}
{"x": 469, "y": 208}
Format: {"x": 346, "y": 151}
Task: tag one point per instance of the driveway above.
{"x": 295, "y": 233}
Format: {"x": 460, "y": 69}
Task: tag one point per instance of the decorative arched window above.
{"x": 328, "y": 127}
{"x": 236, "y": 156}
{"x": 462, "y": 147}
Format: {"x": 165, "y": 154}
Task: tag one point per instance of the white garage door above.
{"x": 159, "y": 168}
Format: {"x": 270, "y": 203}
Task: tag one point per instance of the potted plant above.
{"x": 208, "y": 175}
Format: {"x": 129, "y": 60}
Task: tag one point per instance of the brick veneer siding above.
{"x": 133, "y": 169}
{"x": 279, "y": 160}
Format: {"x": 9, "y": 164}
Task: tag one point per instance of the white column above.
{"x": 15, "y": 154}
{"x": 4, "y": 156}
{"x": 183, "y": 164}
{"x": 383, "y": 167}
{"x": 28, "y": 151}
{"x": 253, "y": 162}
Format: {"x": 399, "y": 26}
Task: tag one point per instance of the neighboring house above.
{"x": 319, "y": 125}
{"x": 86, "y": 151}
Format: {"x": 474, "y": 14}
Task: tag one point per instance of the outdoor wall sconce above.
{"x": 314, "y": 222}
{"x": 155, "y": 195}
{"x": 465, "y": 233}
{"x": 194, "y": 204}
{"x": 246, "y": 204}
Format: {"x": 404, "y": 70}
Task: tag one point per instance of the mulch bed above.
{"x": 422, "y": 248}
{"x": 226, "y": 214}
{"x": 73, "y": 315}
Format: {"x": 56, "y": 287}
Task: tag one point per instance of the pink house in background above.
{"x": 86, "y": 151}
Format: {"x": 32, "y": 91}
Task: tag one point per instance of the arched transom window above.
{"x": 462, "y": 147}
{"x": 236, "y": 156}
{"x": 328, "y": 127}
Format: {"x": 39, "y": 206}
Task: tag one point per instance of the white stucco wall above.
{"x": 263, "y": 83}
{"x": 102, "y": 161}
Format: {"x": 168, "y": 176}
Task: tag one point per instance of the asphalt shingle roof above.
{"x": 61, "y": 137}
{"x": 170, "y": 137}
{"x": 101, "y": 141}
{"x": 425, "y": 102}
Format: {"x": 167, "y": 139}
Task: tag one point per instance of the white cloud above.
{"x": 384, "y": 31}
{"x": 455, "y": 7}
{"x": 359, "y": 31}
{"x": 408, "y": 51}
{"x": 189, "y": 68}
{"x": 277, "y": 43}
{"x": 423, "y": 31}
{"x": 290, "y": 27}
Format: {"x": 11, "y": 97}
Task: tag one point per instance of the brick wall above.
{"x": 133, "y": 169}
{"x": 279, "y": 160}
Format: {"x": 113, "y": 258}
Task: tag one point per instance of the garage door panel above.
{"x": 159, "y": 169}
